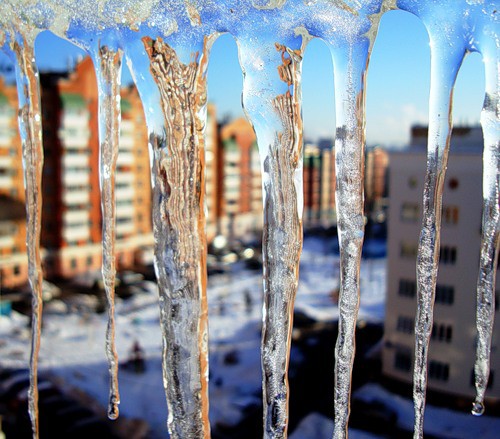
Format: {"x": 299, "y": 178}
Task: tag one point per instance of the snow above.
{"x": 319, "y": 426}
{"x": 439, "y": 422}
{"x": 73, "y": 347}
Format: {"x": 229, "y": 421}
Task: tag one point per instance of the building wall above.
{"x": 319, "y": 186}
{"x": 240, "y": 181}
{"x": 72, "y": 219}
{"x": 452, "y": 349}
{"x": 13, "y": 258}
{"x": 211, "y": 170}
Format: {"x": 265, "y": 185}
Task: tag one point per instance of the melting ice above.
{"x": 167, "y": 45}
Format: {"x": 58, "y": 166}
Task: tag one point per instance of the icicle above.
{"x": 108, "y": 69}
{"x": 490, "y": 237}
{"x": 350, "y": 49}
{"x": 349, "y": 69}
{"x": 275, "y": 114}
{"x": 179, "y": 228}
{"x": 30, "y": 127}
{"x": 445, "y": 62}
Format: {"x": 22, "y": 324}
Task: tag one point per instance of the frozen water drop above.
{"x": 477, "y": 408}
{"x": 113, "y": 410}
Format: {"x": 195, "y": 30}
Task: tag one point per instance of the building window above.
{"x": 442, "y": 332}
{"x": 89, "y": 261}
{"x": 439, "y": 371}
{"x": 402, "y": 361}
{"x": 408, "y": 250}
{"x": 410, "y": 212}
{"x": 17, "y": 270}
{"x": 450, "y": 215}
{"x": 453, "y": 183}
{"x": 407, "y": 288}
{"x": 73, "y": 263}
{"x": 445, "y": 294}
{"x": 405, "y": 325}
{"x": 448, "y": 255}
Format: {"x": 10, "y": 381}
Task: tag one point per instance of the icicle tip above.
{"x": 477, "y": 408}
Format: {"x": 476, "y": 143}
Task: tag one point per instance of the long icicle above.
{"x": 350, "y": 63}
{"x": 490, "y": 236}
{"x": 271, "y": 99}
{"x": 282, "y": 237}
{"x": 445, "y": 63}
{"x": 180, "y": 241}
{"x": 108, "y": 69}
{"x": 30, "y": 127}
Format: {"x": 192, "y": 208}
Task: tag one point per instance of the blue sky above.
{"x": 397, "y": 90}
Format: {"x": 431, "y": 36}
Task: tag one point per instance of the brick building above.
{"x": 13, "y": 257}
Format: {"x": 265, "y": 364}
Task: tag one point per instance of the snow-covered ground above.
{"x": 73, "y": 342}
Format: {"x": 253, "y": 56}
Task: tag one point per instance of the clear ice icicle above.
{"x": 179, "y": 229}
{"x": 350, "y": 48}
{"x": 490, "y": 236}
{"x": 349, "y": 69}
{"x": 445, "y": 62}
{"x": 452, "y": 27}
{"x": 108, "y": 69}
{"x": 30, "y": 127}
{"x": 275, "y": 114}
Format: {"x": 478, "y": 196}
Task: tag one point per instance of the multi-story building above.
{"x": 319, "y": 185}
{"x": 240, "y": 181}
{"x": 211, "y": 170}
{"x": 13, "y": 257}
{"x": 376, "y": 163}
{"x": 72, "y": 220}
{"x": 452, "y": 348}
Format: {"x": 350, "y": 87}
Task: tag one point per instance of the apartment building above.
{"x": 319, "y": 185}
{"x": 240, "y": 181}
{"x": 72, "y": 220}
{"x": 211, "y": 170}
{"x": 376, "y": 165}
{"x": 452, "y": 348}
{"x": 13, "y": 257}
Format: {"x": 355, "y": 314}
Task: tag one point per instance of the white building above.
{"x": 452, "y": 349}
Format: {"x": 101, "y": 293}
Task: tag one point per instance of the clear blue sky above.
{"x": 398, "y": 81}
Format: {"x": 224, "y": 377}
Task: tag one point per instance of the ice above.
{"x": 21, "y": 48}
{"x": 455, "y": 30}
{"x": 275, "y": 114}
{"x": 167, "y": 44}
{"x": 108, "y": 62}
{"x": 179, "y": 228}
{"x": 488, "y": 44}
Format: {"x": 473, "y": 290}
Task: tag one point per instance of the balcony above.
{"x": 7, "y": 241}
{"x": 76, "y": 233}
{"x": 76, "y": 216}
{"x": 124, "y": 178}
{"x": 126, "y": 193}
{"x": 76, "y": 178}
{"x": 125, "y": 159}
{"x": 76, "y": 197}
{"x": 72, "y": 141}
{"x": 75, "y": 159}
{"x": 6, "y": 181}
{"x": 127, "y": 141}
{"x": 126, "y": 211}
{"x": 6, "y": 162}
{"x": 5, "y": 140}
{"x": 125, "y": 228}
{"x": 72, "y": 120}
